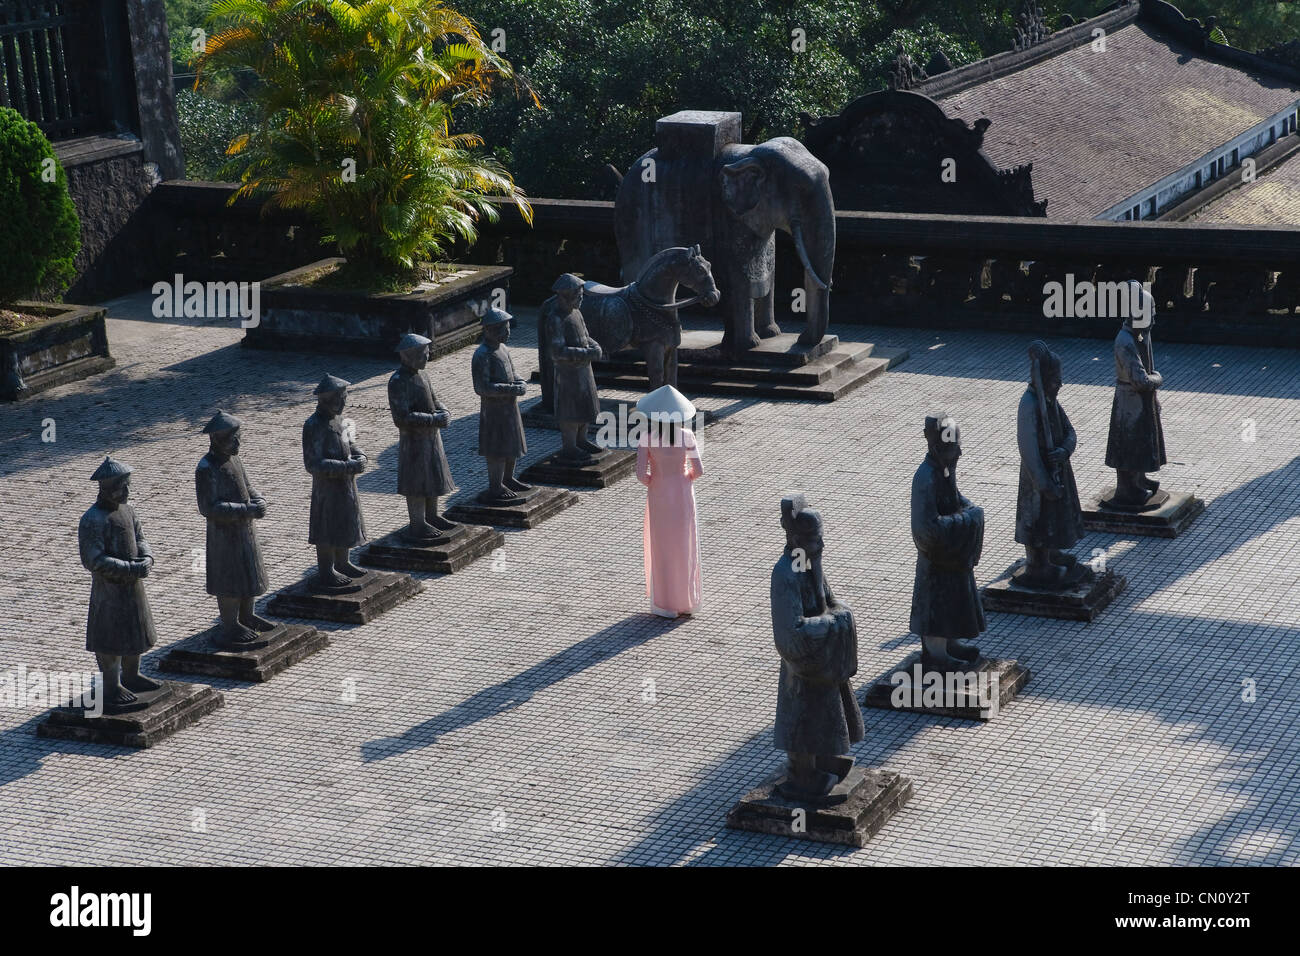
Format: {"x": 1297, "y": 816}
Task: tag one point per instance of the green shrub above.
{"x": 39, "y": 230}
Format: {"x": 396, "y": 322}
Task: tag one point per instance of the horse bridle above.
{"x": 662, "y": 306}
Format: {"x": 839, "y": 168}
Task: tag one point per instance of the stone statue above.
{"x": 119, "y": 627}
{"x": 230, "y": 503}
{"x": 422, "y": 470}
{"x": 817, "y": 717}
{"x": 949, "y": 534}
{"x": 500, "y": 429}
{"x": 1049, "y": 517}
{"x": 334, "y": 461}
{"x": 572, "y": 350}
{"x": 1137, "y": 441}
{"x": 731, "y": 198}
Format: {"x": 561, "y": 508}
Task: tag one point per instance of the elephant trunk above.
{"x": 814, "y": 239}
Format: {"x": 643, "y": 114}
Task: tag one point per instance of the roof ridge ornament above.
{"x": 905, "y": 73}
{"x": 1030, "y": 26}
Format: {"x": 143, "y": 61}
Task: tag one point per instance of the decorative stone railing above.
{"x": 1211, "y": 283}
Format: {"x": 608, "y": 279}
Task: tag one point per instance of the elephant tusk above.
{"x": 796, "y": 231}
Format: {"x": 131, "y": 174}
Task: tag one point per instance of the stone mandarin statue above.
{"x": 334, "y": 461}
{"x": 119, "y": 627}
{"x": 576, "y": 400}
{"x": 230, "y": 503}
{"x": 1049, "y": 517}
{"x": 423, "y": 473}
{"x": 949, "y": 534}
{"x": 500, "y": 428}
{"x": 1137, "y": 441}
{"x": 817, "y": 716}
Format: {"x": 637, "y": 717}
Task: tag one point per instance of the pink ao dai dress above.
{"x": 671, "y": 537}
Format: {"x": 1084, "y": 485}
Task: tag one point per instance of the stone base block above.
{"x": 167, "y": 710}
{"x": 378, "y": 592}
{"x": 1083, "y": 602}
{"x": 1168, "y": 520}
{"x": 873, "y": 797}
{"x": 453, "y": 551}
{"x": 284, "y": 647}
{"x": 528, "y": 512}
{"x": 995, "y": 684}
{"x": 610, "y": 467}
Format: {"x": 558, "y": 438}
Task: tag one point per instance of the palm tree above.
{"x": 354, "y": 105}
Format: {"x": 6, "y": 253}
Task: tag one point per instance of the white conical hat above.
{"x": 666, "y": 402}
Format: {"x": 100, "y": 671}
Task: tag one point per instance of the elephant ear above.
{"x": 747, "y": 177}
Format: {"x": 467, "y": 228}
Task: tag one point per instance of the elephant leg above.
{"x": 819, "y": 314}
{"x": 765, "y": 315}
{"x": 739, "y": 336}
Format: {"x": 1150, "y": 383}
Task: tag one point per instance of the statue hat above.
{"x": 222, "y": 421}
{"x": 412, "y": 340}
{"x": 796, "y": 516}
{"x": 1142, "y": 304}
{"x": 495, "y": 316}
{"x": 667, "y": 402}
{"x": 330, "y": 383}
{"x": 567, "y": 283}
{"x": 110, "y": 470}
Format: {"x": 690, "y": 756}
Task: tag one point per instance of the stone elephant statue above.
{"x": 731, "y": 198}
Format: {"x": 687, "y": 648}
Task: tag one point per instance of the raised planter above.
{"x": 300, "y": 317}
{"x": 68, "y": 344}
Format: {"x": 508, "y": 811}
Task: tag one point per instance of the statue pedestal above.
{"x": 777, "y": 368}
{"x": 1083, "y": 602}
{"x": 613, "y": 465}
{"x": 977, "y": 694}
{"x": 284, "y": 647}
{"x": 451, "y": 552}
{"x": 873, "y": 796}
{"x": 525, "y": 512}
{"x": 174, "y": 706}
{"x": 1167, "y": 520}
{"x": 376, "y": 593}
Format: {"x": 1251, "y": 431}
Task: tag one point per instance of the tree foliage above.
{"x": 353, "y": 121}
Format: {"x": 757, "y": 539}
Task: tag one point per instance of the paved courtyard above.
{"x": 527, "y": 710}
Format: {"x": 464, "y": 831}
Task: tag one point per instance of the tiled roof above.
{"x": 1271, "y": 200}
{"x": 1100, "y": 126}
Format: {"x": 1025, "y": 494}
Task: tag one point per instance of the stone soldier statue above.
{"x": 334, "y": 461}
{"x": 422, "y": 470}
{"x": 1137, "y": 441}
{"x": 119, "y": 627}
{"x": 817, "y": 717}
{"x": 230, "y": 503}
{"x": 572, "y": 350}
{"x": 1049, "y": 517}
{"x": 500, "y": 429}
{"x": 949, "y": 534}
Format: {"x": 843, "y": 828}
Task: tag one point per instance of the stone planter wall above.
{"x": 70, "y": 345}
{"x": 305, "y": 318}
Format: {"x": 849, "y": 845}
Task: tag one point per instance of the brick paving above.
{"x": 527, "y": 710}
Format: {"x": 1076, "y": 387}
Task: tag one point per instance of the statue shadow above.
{"x": 984, "y": 355}
{"x": 518, "y": 690}
{"x": 25, "y": 752}
{"x": 248, "y": 382}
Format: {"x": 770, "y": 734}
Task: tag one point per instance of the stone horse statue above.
{"x": 641, "y": 315}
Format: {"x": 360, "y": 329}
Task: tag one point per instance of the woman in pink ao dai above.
{"x": 667, "y": 463}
